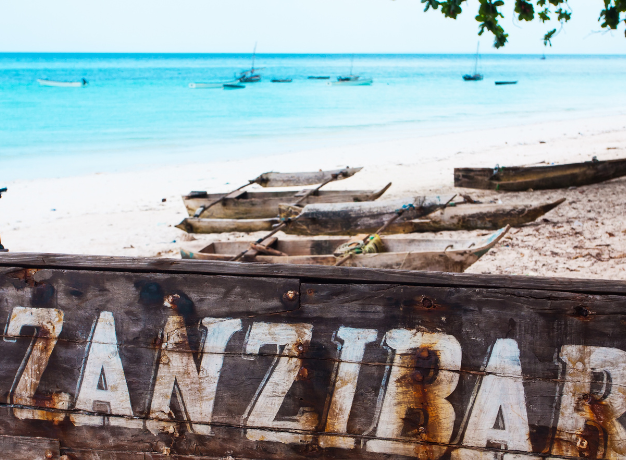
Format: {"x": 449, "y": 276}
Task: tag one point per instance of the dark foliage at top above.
{"x": 489, "y": 14}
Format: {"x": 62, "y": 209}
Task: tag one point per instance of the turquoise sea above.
{"x": 138, "y": 110}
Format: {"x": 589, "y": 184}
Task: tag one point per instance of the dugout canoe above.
{"x": 521, "y": 178}
{"x": 487, "y": 216}
{"x": 448, "y": 255}
{"x": 263, "y": 205}
{"x": 355, "y": 218}
{"x": 201, "y": 225}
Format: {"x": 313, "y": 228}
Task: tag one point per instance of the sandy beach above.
{"x": 133, "y": 213}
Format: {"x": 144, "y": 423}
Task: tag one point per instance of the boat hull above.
{"x": 405, "y": 253}
{"x": 482, "y": 216}
{"x": 199, "y": 225}
{"x": 209, "y": 85}
{"x": 363, "y": 82}
{"x": 519, "y": 178}
{"x": 62, "y": 84}
{"x": 356, "y": 218}
{"x": 263, "y": 205}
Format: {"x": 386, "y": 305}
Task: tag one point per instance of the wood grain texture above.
{"x": 348, "y": 274}
{"x": 264, "y": 205}
{"x": 121, "y": 364}
{"x": 522, "y": 178}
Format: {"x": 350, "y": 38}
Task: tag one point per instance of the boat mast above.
{"x": 351, "y": 64}
{"x": 476, "y": 64}
{"x": 253, "y": 55}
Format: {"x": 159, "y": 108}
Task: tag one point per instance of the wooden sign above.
{"x": 115, "y": 358}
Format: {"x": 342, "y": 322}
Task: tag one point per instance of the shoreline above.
{"x": 122, "y": 214}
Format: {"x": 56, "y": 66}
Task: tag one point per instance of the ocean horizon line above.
{"x": 348, "y": 54}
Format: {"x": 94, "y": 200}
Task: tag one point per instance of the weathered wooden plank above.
{"x": 252, "y": 367}
{"x": 369, "y": 275}
{"x": 29, "y": 448}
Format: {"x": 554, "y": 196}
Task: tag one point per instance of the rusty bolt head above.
{"x": 49, "y": 454}
{"x": 290, "y": 295}
{"x": 427, "y": 303}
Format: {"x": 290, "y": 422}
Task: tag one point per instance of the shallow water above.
{"x": 138, "y": 109}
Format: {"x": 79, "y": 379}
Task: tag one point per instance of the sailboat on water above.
{"x": 351, "y": 80}
{"x": 250, "y": 76}
{"x": 475, "y": 76}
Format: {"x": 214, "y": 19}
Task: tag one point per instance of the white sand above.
{"x": 122, "y": 213}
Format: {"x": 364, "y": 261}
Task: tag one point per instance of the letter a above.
{"x": 104, "y": 384}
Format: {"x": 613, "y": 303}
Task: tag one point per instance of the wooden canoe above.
{"x": 262, "y": 205}
{"x": 520, "y": 178}
{"x": 200, "y": 225}
{"x": 355, "y": 218}
{"x": 298, "y": 179}
{"x": 449, "y": 255}
{"x": 488, "y": 216}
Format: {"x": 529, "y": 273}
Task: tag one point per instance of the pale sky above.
{"x": 281, "y": 26}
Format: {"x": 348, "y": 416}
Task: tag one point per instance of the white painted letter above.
{"x": 177, "y": 370}
{"x": 423, "y": 391}
{"x": 278, "y": 381}
{"x": 499, "y": 418}
{"x": 50, "y": 323}
{"x": 581, "y": 406}
{"x": 352, "y": 351}
{"x": 104, "y": 384}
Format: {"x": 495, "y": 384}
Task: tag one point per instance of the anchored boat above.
{"x": 213, "y": 85}
{"x": 474, "y": 76}
{"x": 520, "y": 178}
{"x": 404, "y": 253}
{"x": 63, "y": 84}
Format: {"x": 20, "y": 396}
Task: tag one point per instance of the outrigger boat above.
{"x": 328, "y": 218}
{"x": 262, "y": 205}
{"x": 400, "y": 253}
{"x": 63, "y": 84}
{"x": 269, "y": 179}
{"x": 520, "y": 178}
{"x": 482, "y": 216}
{"x": 355, "y": 218}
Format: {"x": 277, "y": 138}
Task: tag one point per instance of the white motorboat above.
{"x": 64, "y": 84}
